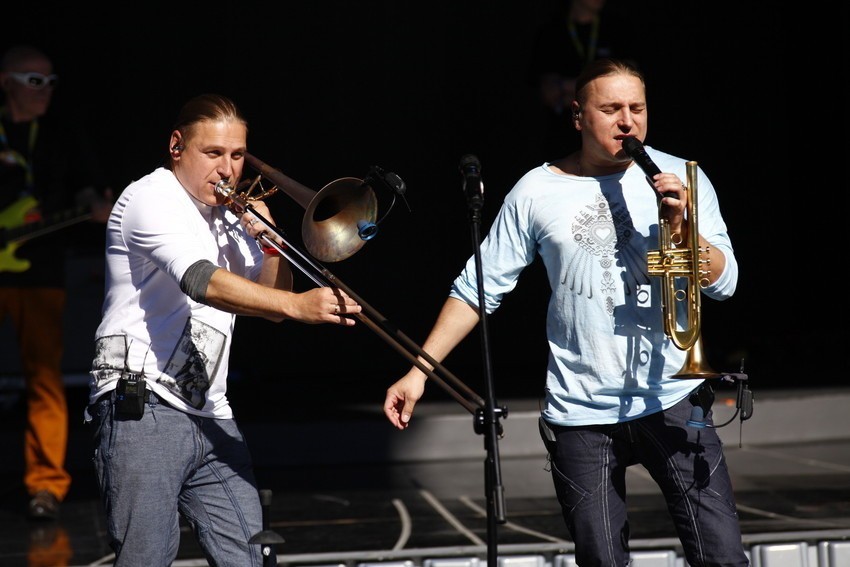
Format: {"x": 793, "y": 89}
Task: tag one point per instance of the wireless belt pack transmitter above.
{"x": 131, "y": 394}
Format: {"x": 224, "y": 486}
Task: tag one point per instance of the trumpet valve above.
{"x": 672, "y": 262}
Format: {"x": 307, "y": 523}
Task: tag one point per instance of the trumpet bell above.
{"x": 695, "y": 365}
{"x": 339, "y": 219}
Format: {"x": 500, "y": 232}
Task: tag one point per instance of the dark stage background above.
{"x": 332, "y": 88}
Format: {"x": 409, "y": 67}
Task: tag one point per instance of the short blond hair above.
{"x": 603, "y": 68}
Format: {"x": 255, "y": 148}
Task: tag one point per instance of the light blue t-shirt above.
{"x": 609, "y": 358}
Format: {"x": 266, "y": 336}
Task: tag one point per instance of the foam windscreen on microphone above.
{"x": 470, "y": 168}
{"x": 468, "y": 161}
{"x": 697, "y": 418}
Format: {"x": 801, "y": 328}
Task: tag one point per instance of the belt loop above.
{"x": 110, "y": 394}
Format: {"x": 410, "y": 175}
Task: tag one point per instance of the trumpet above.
{"x": 680, "y": 269}
{"x": 337, "y": 222}
{"x": 682, "y": 276}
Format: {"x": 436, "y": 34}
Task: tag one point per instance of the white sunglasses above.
{"x": 35, "y": 80}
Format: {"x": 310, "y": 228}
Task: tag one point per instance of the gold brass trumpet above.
{"x": 676, "y": 264}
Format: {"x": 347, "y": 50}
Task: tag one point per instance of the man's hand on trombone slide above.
{"x": 325, "y": 304}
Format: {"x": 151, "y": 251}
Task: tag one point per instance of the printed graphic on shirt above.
{"x": 191, "y": 368}
{"x": 606, "y": 236}
{"x": 110, "y": 359}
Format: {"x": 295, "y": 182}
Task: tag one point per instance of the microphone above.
{"x": 697, "y": 418}
{"x": 702, "y": 400}
{"x": 635, "y": 150}
{"x": 470, "y": 168}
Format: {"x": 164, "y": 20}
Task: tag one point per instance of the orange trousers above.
{"x": 50, "y": 546}
{"x": 36, "y": 315}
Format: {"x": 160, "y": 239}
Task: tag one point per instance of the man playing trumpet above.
{"x": 610, "y": 398}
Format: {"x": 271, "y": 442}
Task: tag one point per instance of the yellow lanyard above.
{"x": 591, "y": 43}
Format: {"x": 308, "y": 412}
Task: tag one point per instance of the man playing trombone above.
{"x": 183, "y": 258}
{"x": 611, "y": 397}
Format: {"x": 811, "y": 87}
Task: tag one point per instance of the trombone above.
{"x": 338, "y": 220}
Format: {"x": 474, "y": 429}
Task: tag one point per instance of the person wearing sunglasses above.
{"x": 35, "y": 80}
{"x": 49, "y": 179}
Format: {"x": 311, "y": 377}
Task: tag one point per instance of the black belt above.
{"x": 111, "y": 395}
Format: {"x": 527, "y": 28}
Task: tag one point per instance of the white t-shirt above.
{"x": 155, "y": 232}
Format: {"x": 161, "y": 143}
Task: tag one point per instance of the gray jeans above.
{"x": 169, "y": 463}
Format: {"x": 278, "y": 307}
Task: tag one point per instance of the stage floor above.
{"x": 428, "y": 499}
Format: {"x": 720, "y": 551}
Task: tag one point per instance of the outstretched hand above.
{"x": 402, "y": 397}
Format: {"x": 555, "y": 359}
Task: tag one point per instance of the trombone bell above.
{"x": 339, "y": 219}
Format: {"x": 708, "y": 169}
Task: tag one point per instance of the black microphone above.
{"x": 635, "y": 150}
{"x": 470, "y": 168}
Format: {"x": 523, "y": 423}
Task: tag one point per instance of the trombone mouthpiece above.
{"x": 224, "y": 188}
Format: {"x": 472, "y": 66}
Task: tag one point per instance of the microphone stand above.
{"x": 485, "y": 413}
{"x": 487, "y": 417}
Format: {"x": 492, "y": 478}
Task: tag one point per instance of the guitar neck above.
{"x": 40, "y": 228}
{"x": 19, "y": 233}
{"x": 14, "y": 230}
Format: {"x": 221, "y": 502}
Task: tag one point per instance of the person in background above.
{"x": 183, "y": 259}
{"x": 611, "y": 400}
{"x": 50, "y": 179}
{"x": 575, "y": 33}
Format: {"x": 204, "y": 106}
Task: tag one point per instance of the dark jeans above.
{"x": 589, "y": 472}
{"x": 167, "y": 463}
